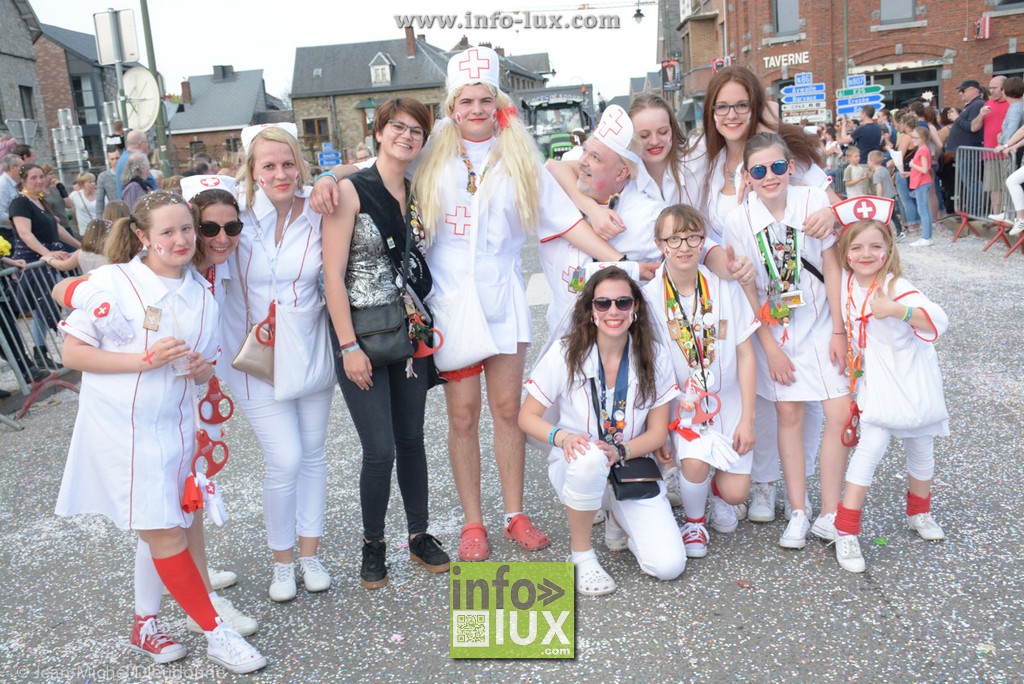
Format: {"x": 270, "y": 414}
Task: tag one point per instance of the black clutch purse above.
{"x": 636, "y": 478}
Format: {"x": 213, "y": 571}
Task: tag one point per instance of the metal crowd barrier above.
{"x": 30, "y": 347}
{"x": 836, "y": 173}
{"x": 981, "y": 192}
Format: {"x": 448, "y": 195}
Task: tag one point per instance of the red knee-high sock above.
{"x": 714, "y": 487}
{"x": 918, "y": 504}
{"x": 182, "y": 579}
{"x": 848, "y": 520}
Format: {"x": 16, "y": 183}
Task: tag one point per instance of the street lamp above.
{"x": 638, "y": 16}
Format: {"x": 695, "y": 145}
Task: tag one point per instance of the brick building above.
{"x": 336, "y": 88}
{"x": 214, "y": 109}
{"x": 71, "y": 77}
{"x": 908, "y": 46}
{"x": 702, "y": 34}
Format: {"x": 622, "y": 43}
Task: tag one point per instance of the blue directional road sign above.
{"x": 803, "y": 78}
{"x": 856, "y": 80}
{"x": 812, "y": 97}
{"x": 859, "y": 101}
{"x": 804, "y": 89}
{"x": 328, "y": 156}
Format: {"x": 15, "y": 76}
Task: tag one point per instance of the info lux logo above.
{"x": 512, "y": 610}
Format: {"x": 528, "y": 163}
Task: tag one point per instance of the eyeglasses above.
{"x": 400, "y": 127}
{"x": 673, "y": 241}
{"x": 602, "y": 304}
{"x": 210, "y": 229}
{"x": 722, "y": 109}
{"x": 778, "y": 167}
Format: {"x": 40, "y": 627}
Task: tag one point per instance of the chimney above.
{"x": 422, "y": 36}
{"x": 500, "y": 51}
{"x": 186, "y": 92}
{"x": 222, "y": 72}
{"x": 410, "y": 43}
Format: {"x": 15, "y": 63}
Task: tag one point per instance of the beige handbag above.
{"x": 256, "y": 355}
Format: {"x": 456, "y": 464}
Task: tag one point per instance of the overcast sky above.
{"x": 190, "y": 36}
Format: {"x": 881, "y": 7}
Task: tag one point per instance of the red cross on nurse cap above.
{"x": 474, "y": 65}
{"x": 863, "y": 208}
{"x": 616, "y": 131}
{"x": 193, "y": 185}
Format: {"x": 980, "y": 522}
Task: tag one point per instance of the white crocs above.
{"x": 591, "y": 579}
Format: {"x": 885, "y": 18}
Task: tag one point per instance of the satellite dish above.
{"x": 142, "y": 98}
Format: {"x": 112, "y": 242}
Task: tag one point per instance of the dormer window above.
{"x": 381, "y": 74}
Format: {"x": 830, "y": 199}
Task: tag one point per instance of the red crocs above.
{"x": 473, "y": 546}
{"x": 522, "y": 531}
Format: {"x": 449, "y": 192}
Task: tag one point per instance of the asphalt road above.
{"x": 749, "y": 611}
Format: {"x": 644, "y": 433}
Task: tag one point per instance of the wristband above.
{"x": 551, "y": 435}
{"x": 622, "y": 453}
{"x": 348, "y": 348}
{"x": 906, "y": 316}
{"x": 324, "y": 175}
{"x": 626, "y": 451}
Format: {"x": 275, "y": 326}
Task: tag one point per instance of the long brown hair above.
{"x": 804, "y": 148}
{"x": 198, "y": 204}
{"x": 582, "y": 335}
{"x": 675, "y": 154}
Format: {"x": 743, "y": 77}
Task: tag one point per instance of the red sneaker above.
{"x": 148, "y": 638}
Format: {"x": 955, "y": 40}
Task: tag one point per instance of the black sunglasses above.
{"x": 211, "y": 230}
{"x": 778, "y": 167}
{"x": 602, "y": 304}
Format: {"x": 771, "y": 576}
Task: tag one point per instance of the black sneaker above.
{"x": 900, "y": 236}
{"x": 374, "y": 573}
{"x": 427, "y": 551}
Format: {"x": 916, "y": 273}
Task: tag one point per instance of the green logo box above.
{"x": 512, "y": 610}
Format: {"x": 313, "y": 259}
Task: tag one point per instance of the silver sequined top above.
{"x": 370, "y": 279}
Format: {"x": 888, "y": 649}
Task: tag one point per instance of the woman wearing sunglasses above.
{"x": 387, "y": 402}
{"x": 612, "y": 384}
{"x": 802, "y": 341}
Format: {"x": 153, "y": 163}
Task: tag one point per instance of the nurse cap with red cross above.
{"x": 474, "y": 65}
{"x": 616, "y": 131}
{"x": 193, "y": 185}
{"x": 864, "y": 208}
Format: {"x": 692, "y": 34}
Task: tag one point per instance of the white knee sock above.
{"x": 695, "y": 497}
{"x": 149, "y": 588}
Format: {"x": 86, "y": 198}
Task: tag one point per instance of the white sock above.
{"x": 213, "y": 596}
{"x": 580, "y": 556}
{"x": 149, "y": 588}
{"x": 509, "y": 516}
{"x": 695, "y": 497}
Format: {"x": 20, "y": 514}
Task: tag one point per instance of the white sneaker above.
{"x": 848, "y": 553}
{"x": 925, "y": 526}
{"x": 741, "y": 510}
{"x": 723, "y": 515}
{"x": 614, "y": 536}
{"x": 1018, "y": 227}
{"x": 824, "y": 527}
{"x": 672, "y": 489}
{"x": 227, "y": 648}
{"x": 921, "y": 242}
{"x": 219, "y": 579}
{"x": 695, "y": 540}
{"x": 283, "y": 586}
{"x": 238, "y": 621}
{"x": 762, "y": 502}
{"x": 997, "y": 217}
{"x": 314, "y": 575}
{"x": 795, "y": 536}
{"x": 788, "y": 508}
{"x": 600, "y": 517}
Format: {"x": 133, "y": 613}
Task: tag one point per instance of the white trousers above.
{"x": 766, "y": 439}
{"x": 1013, "y": 184}
{"x": 293, "y": 436}
{"x": 869, "y": 452}
{"x": 654, "y": 536}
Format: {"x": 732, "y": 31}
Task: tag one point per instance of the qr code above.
{"x": 471, "y": 628}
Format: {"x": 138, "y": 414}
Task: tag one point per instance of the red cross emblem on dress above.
{"x": 473, "y": 65}
{"x": 610, "y": 126}
{"x": 102, "y": 310}
{"x": 459, "y": 220}
{"x": 211, "y": 182}
{"x": 862, "y": 208}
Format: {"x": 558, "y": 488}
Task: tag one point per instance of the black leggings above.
{"x": 389, "y": 419}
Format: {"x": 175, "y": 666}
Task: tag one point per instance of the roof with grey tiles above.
{"x": 536, "y": 62}
{"x": 82, "y": 44}
{"x": 218, "y": 103}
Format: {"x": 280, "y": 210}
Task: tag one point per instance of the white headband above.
{"x": 250, "y": 132}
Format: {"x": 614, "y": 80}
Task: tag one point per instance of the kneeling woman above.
{"x": 608, "y": 364}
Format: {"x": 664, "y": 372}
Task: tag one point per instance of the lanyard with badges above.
{"x": 611, "y": 428}
{"x": 694, "y": 334}
{"x": 783, "y": 273}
